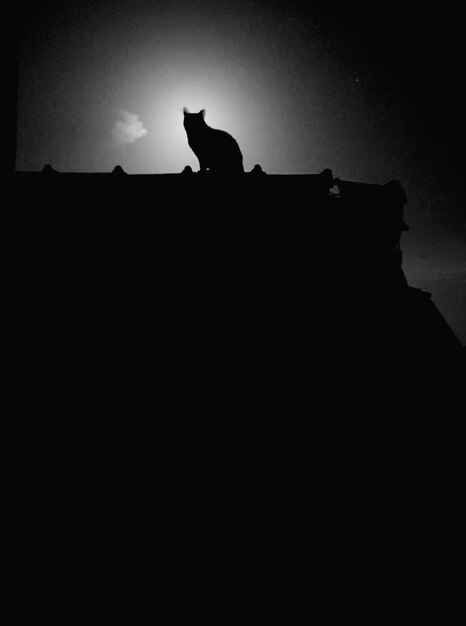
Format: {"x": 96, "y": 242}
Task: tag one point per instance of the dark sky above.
{"x": 372, "y": 91}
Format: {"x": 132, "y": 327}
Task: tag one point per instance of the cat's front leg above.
{"x": 203, "y": 167}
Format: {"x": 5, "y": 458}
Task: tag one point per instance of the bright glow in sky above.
{"x": 167, "y": 142}
{"x": 251, "y": 71}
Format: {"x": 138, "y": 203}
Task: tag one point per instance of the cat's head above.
{"x": 193, "y": 120}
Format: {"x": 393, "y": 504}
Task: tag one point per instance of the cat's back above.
{"x": 225, "y": 148}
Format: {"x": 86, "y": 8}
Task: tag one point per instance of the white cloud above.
{"x": 127, "y": 128}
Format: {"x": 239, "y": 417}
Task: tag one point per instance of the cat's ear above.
{"x": 185, "y": 111}
{"x": 202, "y": 113}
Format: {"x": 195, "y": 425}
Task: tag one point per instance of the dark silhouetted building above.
{"x": 289, "y": 284}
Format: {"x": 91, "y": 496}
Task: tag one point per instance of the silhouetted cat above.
{"x": 216, "y": 150}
